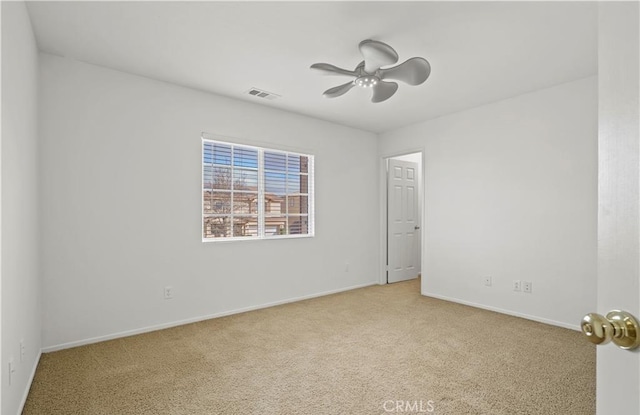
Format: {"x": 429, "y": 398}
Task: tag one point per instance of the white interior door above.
{"x": 618, "y": 371}
{"x": 403, "y": 221}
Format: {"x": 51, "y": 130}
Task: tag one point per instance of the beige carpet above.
{"x": 351, "y": 353}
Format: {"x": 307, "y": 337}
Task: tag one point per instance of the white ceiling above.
{"x": 480, "y": 52}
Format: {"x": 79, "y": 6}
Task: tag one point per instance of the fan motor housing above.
{"x": 367, "y": 81}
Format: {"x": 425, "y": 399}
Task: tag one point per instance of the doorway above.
{"x": 403, "y": 217}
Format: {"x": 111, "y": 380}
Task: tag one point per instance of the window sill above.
{"x": 266, "y": 238}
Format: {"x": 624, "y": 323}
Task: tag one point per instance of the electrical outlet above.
{"x": 22, "y": 350}
{"x": 516, "y": 285}
{"x": 12, "y": 370}
{"x": 527, "y": 286}
{"x": 487, "y": 281}
{"x": 168, "y": 292}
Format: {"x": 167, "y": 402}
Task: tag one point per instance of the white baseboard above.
{"x": 196, "y": 319}
{"x": 503, "y": 311}
{"x": 31, "y": 377}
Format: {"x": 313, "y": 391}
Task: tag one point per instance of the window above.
{"x": 255, "y": 193}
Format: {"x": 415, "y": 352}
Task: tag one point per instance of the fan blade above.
{"x": 327, "y": 69}
{"x": 413, "y": 71}
{"x": 376, "y": 54}
{"x": 383, "y": 91}
{"x": 336, "y": 91}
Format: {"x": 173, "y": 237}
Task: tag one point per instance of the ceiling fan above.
{"x": 370, "y": 74}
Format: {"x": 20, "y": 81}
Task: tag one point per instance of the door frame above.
{"x": 382, "y": 201}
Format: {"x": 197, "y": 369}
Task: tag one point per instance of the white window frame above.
{"x": 261, "y": 235}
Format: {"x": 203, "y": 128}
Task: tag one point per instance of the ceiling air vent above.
{"x": 262, "y": 94}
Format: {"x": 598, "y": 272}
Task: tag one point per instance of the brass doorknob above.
{"x": 618, "y": 326}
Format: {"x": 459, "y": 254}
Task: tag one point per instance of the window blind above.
{"x": 255, "y": 193}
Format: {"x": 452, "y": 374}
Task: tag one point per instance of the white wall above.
{"x": 511, "y": 193}
{"x": 21, "y": 313}
{"x": 121, "y": 165}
